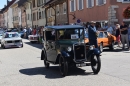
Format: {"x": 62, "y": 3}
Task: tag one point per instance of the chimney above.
{"x": 4, "y": 5}
{"x": 8, "y": 2}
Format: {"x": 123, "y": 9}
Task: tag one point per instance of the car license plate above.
{"x": 81, "y": 65}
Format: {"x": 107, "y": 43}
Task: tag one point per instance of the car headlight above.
{"x": 91, "y": 47}
{"x": 69, "y": 49}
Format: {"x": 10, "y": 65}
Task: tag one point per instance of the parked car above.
{"x": 105, "y": 39}
{"x": 11, "y": 39}
{"x": 33, "y": 38}
{"x": 65, "y": 45}
{"x": 1, "y": 34}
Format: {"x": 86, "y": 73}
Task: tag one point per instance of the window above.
{"x": 126, "y": 0}
{"x": 64, "y": 8}
{"x": 28, "y": 16}
{"x": 33, "y": 3}
{"x": 80, "y": 4}
{"x": 100, "y": 2}
{"x": 43, "y": 14}
{"x": 34, "y": 16}
{"x": 39, "y": 15}
{"x": 72, "y": 5}
{"x": 90, "y": 3}
{"x": 57, "y": 9}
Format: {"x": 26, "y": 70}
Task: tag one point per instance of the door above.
{"x": 50, "y": 46}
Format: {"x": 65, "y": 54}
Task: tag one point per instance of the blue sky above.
{"x": 2, "y": 3}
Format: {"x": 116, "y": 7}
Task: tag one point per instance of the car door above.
{"x": 50, "y": 47}
{"x": 101, "y": 38}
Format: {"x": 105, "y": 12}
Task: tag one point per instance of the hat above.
{"x": 92, "y": 22}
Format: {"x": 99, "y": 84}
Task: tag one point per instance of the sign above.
{"x": 78, "y": 20}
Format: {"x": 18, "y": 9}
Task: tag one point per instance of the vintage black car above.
{"x": 65, "y": 45}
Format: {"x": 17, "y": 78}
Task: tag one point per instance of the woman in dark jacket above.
{"x": 118, "y": 35}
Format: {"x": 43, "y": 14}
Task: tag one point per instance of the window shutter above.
{"x": 82, "y": 4}
{"x": 70, "y": 7}
{"x": 96, "y": 2}
{"x": 105, "y": 1}
{"x": 74, "y": 5}
{"x": 77, "y": 4}
{"x": 92, "y": 3}
{"x": 87, "y": 3}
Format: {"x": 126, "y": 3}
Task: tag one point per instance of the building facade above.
{"x": 10, "y": 18}
{"x": 56, "y": 12}
{"x": 15, "y": 11}
{"x": 1, "y": 19}
{"x": 41, "y": 20}
{"x": 103, "y": 11}
{"x": 35, "y": 13}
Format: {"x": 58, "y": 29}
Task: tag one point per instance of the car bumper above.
{"x": 8, "y": 45}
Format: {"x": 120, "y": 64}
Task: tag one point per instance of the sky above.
{"x": 2, "y": 3}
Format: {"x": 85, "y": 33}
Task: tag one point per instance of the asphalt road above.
{"x": 23, "y": 67}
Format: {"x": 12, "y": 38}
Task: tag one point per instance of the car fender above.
{"x": 65, "y": 54}
{"x": 93, "y": 52}
{"x": 43, "y": 54}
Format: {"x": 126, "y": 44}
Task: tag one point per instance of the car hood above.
{"x": 10, "y": 39}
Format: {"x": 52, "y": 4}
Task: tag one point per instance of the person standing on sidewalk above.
{"x": 118, "y": 34}
{"x": 92, "y": 34}
{"x": 124, "y": 35}
{"x": 129, "y": 33}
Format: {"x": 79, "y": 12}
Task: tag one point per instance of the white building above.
{"x": 41, "y": 13}
{"x": 20, "y": 18}
{"x": 6, "y": 19}
{"x": 10, "y": 18}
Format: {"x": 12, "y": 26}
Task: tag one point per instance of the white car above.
{"x": 33, "y": 38}
{"x": 11, "y": 39}
{"x": 1, "y": 34}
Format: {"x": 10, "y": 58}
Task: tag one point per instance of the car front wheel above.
{"x": 63, "y": 65}
{"x": 96, "y": 63}
{"x": 46, "y": 63}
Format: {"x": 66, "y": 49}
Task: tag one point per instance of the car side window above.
{"x": 105, "y": 34}
{"x": 101, "y": 35}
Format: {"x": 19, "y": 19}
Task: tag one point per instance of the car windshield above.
{"x": 86, "y": 34}
{"x": 11, "y": 35}
{"x": 70, "y": 33}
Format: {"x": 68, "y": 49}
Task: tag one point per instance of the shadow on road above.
{"x": 36, "y": 45}
{"x": 53, "y": 72}
{"x": 115, "y": 50}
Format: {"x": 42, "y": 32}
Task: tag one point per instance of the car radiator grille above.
{"x": 9, "y": 41}
{"x": 17, "y": 41}
{"x": 79, "y": 52}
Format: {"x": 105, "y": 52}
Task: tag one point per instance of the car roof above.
{"x": 65, "y": 27}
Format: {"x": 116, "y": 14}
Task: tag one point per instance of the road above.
{"x": 23, "y": 67}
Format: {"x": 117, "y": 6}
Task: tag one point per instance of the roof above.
{"x": 9, "y": 4}
{"x": 65, "y": 27}
{"x": 49, "y": 2}
{"x": 21, "y": 2}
